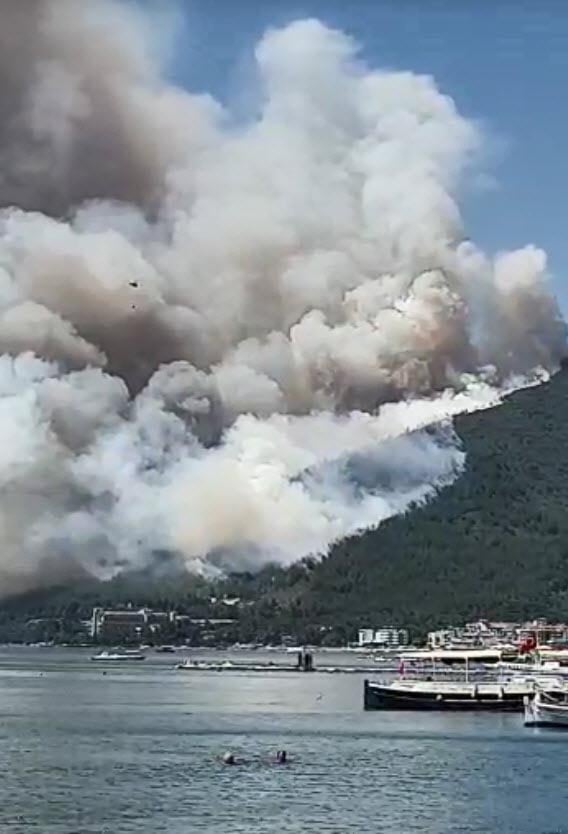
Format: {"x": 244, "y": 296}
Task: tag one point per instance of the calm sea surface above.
{"x": 90, "y": 749}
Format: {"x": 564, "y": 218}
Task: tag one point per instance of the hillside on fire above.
{"x": 494, "y": 543}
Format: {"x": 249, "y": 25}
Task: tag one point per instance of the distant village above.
{"x": 134, "y": 626}
{"x": 496, "y": 640}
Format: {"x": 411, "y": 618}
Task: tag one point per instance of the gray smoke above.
{"x": 223, "y": 341}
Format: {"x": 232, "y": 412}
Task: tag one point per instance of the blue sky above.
{"x": 505, "y": 62}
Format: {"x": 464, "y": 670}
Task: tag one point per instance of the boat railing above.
{"x": 478, "y": 673}
{"x": 450, "y": 673}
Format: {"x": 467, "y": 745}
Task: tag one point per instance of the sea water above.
{"x": 88, "y": 748}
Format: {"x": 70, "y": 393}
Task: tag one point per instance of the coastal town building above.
{"x": 128, "y": 623}
{"x": 386, "y": 637}
{"x": 484, "y": 633}
{"x": 135, "y": 625}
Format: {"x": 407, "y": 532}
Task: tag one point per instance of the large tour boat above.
{"x": 402, "y": 694}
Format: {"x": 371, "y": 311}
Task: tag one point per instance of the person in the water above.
{"x": 281, "y": 757}
{"x": 229, "y": 758}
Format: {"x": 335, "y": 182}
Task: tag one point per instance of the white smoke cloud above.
{"x": 225, "y": 342}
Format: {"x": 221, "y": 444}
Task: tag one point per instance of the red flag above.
{"x": 528, "y": 644}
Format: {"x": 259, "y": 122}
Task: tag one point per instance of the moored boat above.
{"x": 543, "y": 669}
{"x": 546, "y": 709}
{"x": 118, "y": 656}
{"x": 496, "y": 696}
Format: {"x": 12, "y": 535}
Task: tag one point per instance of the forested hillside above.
{"x": 494, "y": 544}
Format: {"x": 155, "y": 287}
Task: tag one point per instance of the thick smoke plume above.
{"x": 224, "y": 341}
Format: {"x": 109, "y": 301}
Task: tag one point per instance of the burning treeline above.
{"x": 216, "y": 337}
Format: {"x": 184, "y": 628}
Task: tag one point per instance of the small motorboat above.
{"x": 114, "y": 657}
{"x": 546, "y": 709}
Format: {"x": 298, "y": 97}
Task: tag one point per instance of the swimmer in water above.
{"x": 229, "y": 759}
{"x": 281, "y": 757}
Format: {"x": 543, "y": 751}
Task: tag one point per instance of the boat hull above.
{"x": 387, "y": 697}
{"x": 546, "y": 722}
{"x": 538, "y": 714}
{"x": 118, "y": 658}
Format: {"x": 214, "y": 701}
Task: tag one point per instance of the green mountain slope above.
{"x": 495, "y": 543}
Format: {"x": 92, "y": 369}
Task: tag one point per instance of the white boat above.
{"x": 112, "y": 657}
{"x": 547, "y": 668}
{"x": 498, "y": 694}
{"x": 546, "y": 709}
{"x": 551, "y": 653}
{"x": 209, "y": 664}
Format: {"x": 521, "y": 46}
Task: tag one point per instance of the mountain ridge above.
{"x": 494, "y": 543}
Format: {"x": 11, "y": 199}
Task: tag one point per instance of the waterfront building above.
{"x": 128, "y": 624}
{"x": 387, "y": 637}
